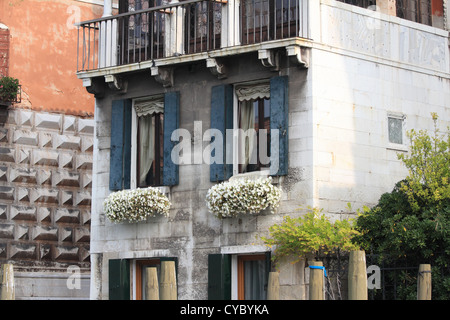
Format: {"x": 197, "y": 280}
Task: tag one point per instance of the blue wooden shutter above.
{"x": 119, "y": 279}
{"x": 222, "y": 119}
{"x": 219, "y": 277}
{"x": 279, "y": 110}
{"x": 120, "y": 153}
{"x": 171, "y": 123}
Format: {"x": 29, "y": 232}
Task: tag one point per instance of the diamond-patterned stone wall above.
{"x": 45, "y": 188}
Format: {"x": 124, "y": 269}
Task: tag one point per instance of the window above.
{"x": 145, "y": 268}
{"x": 264, "y": 20}
{"x": 360, "y": 3}
{"x": 238, "y": 276}
{"x": 253, "y": 120}
{"x": 124, "y": 151}
{"x": 141, "y": 35}
{"x": 148, "y": 144}
{"x": 203, "y": 26}
{"x": 395, "y": 129}
{"x": 142, "y": 268}
{"x": 415, "y": 10}
{"x": 252, "y": 277}
{"x": 265, "y": 105}
{"x": 125, "y": 274}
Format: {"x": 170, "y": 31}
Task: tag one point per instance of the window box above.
{"x": 136, "y": 205}
{"x": 243, "y": 196}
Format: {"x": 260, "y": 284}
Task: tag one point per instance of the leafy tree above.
{"x": 413, "y": 221}
{"x": 428, "y": 163}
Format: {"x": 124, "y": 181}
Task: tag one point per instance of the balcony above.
{"x": 191, "y": 30}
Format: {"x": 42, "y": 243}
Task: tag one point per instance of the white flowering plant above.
{"x": 231, "y": 198}
{"x": 136, "y": 205}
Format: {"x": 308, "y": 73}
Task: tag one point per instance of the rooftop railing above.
{"x": 187, "y": 27}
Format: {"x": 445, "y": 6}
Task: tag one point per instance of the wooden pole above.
{"x": 357, "y": 276}
{"x": 316, "y": 281}
{"x": 7, "y": 282}
{"x": 168, "y": 281}
{"x": 152, "y": 286}
{"x": 424, "y": 282}
{"x": 273, "y": 287}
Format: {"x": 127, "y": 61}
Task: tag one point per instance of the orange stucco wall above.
{"x": 43, "y": 53}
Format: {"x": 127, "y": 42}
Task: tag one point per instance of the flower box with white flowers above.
{"x": 243, "y": 196}
{"x": 136, "y": 205}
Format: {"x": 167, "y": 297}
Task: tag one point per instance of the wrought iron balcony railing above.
{"x": 186, "y": 28}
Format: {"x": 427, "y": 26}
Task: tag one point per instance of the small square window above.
{"x": 395, "y": 130}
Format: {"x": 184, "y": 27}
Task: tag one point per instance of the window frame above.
{"x": 136, "y": 275}
{"x": 138, "y": 265}
{"x": 264, "y": 169}
{"x": 223, "y": 109}
{"x": 159, "y": 146}
{"x": 241, "y": 259}
{"x": 392, "y": 145}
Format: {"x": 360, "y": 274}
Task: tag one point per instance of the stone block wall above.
{"x": 45, "y": 190}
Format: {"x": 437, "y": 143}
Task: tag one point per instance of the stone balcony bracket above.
{"x": 163, "y": 76}
{"x": 298, "y": 55}
{"x": 94, "y": 87}
{"x": 116, "y": 83}
{"x": 217, "y": 68}
{"x": 269, "y": 59}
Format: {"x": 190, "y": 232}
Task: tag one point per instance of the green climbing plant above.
{"x": 312, "y": 233}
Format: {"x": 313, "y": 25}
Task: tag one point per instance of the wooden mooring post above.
{"x": 273, "y": 286}
{"x": 316, "y": 276}
{"x": 7, "y": 282}
{"x": 357, "y": 276}
{"x": 152, "y": 286}
{"x": 424, "y": 282}
{"x": 168, "y": 288}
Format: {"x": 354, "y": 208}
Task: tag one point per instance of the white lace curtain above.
{"x": 247, "y": 94}
{"x": 144, "y": 110}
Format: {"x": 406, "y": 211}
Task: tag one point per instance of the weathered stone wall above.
{"x": 45, "y": 190}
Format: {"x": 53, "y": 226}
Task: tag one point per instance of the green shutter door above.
{"x": 279, "y": 120}
{"x": 222, "y": 119}
{"x": 119, "y": 279}
{"x": 219, "y": 277}
{"x": 120, "y": 153}
{"x": 171, "y": 123}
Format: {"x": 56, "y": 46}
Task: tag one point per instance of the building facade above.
{"x": 339, "y": 84}
{"x": 46, "y": 150}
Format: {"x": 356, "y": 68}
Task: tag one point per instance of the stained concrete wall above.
{"x": 338, "y": 147}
